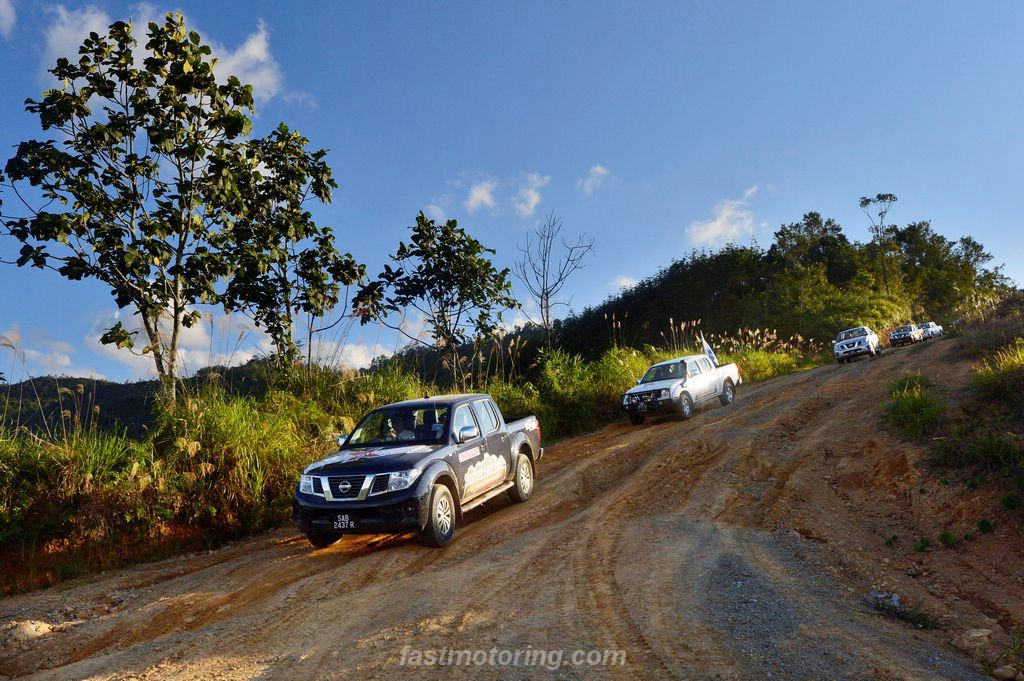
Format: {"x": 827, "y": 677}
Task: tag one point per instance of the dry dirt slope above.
{"x": 735, "y": 545}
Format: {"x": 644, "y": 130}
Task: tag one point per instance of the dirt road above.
{"x": 739, "y": 544}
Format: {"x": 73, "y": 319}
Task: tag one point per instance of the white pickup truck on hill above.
{"x": 679, "y": 385}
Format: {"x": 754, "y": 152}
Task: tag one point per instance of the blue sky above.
{"x": 654, "y": 127}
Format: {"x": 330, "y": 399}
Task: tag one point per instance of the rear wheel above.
{"x": 440, "y": 527}
{"x": 321, "y": 540}
{"x": 728, "y": 393}
{"x": 523, "y": 488}
{"x": 636, "y": 418}
{"x": 685, "y": 406}
{"x": 839, "y": 360}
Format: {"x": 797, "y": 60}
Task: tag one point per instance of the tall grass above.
{"x": 1002, "y": 376}
{"x": 916, "y": 410}
{"x": 218, "y": 464}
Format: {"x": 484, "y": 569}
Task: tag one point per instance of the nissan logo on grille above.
{"x": 344, "y": 486}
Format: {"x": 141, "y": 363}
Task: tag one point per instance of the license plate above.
{"x": 343, "y": 522}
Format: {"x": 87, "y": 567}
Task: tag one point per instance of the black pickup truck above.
{"x": 417, "y": 466}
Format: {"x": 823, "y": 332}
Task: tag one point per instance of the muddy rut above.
{"x": 739, "y": 544}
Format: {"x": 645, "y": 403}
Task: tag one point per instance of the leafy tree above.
{"x": 284, "y": 263}
{"x": 881, "y": 203}
{"x": 444, "y": 274}
{"x": 814, "y": 240}
{"x": 157, "y": 181}
{"x": 545, "y": 268}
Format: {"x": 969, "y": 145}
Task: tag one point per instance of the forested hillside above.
{"x": 812, "y": 281}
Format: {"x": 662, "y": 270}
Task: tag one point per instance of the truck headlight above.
{"x": 663, "y": 394}
{"x": 402, "y": 479}
{"x": 306, "y": 484}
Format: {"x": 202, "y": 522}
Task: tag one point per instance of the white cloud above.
{"x": 481, "y": 195}
{"x": 435, "y": 212}
{"x": 36, "y": 353}
{"x": 622, "y": 281}
{"x": 217, "y": 339}
{"x": 595, "y": 176}
{"x": 529, "y": 196}
{"x": 252, "y": 61}
{"x": 7, "y": 18}
{"x": 68, "y": 29}
{"x": 731, "y": 222}
{"x": 348, "y": 355}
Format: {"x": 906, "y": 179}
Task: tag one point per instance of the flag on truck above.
{"x": 708, "y": 351}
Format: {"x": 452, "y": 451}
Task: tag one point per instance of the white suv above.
{"x": 931, "y": 330}
{"x": 860, "y": 340}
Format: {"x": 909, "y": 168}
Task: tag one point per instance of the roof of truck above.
{"x": 676, "y": 359}
{"x": 439, "y": 400}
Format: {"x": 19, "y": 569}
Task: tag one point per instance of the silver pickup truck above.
{"x": 678, "y": 385}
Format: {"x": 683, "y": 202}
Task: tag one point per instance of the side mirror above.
{"x": 467, "y": 433}
{"x": 638, "y": 381}
{"x": 341, "y": 439}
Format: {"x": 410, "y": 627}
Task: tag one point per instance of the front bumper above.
{"x": 902, "y": 340}
{"x": 852, "y": 352}
{"x": 650, "y": 406}
{"x": 404, "y": 512}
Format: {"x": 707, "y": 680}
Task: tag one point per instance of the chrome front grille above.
{"x": 345, "y": 486}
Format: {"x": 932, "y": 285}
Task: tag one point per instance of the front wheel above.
{"x": 321, "y": 540}
{"x": 685, "y": 406}
{"x": 523, "y": 487}
{"x": 636, "y": 418}
{"x": 839, "y": 360}
{"x": 728, "y": 393}
{"x": 440, "y": 527}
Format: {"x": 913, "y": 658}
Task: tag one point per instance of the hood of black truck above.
{"x": 373, "y": 459}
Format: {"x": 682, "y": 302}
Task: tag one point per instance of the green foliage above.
{"x": 164, "y": 200}
{"x": 947, "y": 538}
{"x": 284, "y": 263}
{"x": 985, "y": 526}
{"x": 922, "y": 544}
{"x": 915, "y": 409}
{"x": 1002, "y": 377}
{"x": 811, "y": 281}
{"x": 760, "y": 365}
{"x": 447, "y": 276}
{"x": 1010, "y": 501}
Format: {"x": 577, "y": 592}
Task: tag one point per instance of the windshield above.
{"x": 852, "y": 333}
{"x": 401, "y": 425}
{"x": 927, "y": 325}
{"x": 665, "y": 372}
{"x": 903, "y": 329}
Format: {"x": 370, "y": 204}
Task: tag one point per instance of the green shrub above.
{"x": 922, "y": 544}
{"x": 1002, "y": 377}
{"x": 515, "y": 399}
{"x": 947, "y": 539}
{"x": 980, "y": 447}
{"x": 911, "y": 382}
{"x": 985, "y": 526}
{"x": 1010, "y": 501}
{"x": 915, "y": 409}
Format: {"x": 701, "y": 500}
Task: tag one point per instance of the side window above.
{"x": 692, "y": 369}
{"x": 493, "y": 408}
{"x": 484, "y": 415}
{"x": 705, "y": 364}
{"x": 463, "y": 418}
